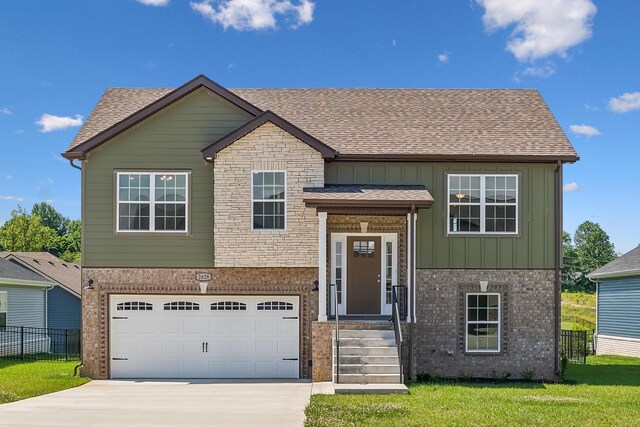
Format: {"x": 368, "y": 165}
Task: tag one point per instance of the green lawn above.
{"x": 579, "y": 304}
{"x": 604, "y": 392}
{"x": 19, "y": 380}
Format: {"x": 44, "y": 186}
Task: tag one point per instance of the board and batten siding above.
{"x": 64, "y": 309}
{"x": 169, "y": 140}
{"x": 26, "y": 306}
{"x": 532, "y": 248}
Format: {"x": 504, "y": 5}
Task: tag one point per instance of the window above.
{"x": 228, "y": 306}
{"x": 269, "y": 197}
{"x": 364, "y": 248}
{"x": 134, "y": 306}
{"x": 3, "y": 310}
{"x": 338, "y": 271}
{"x": 483, "y": 204}
{"x": 388, "y": 274}
{"x": 275, "y": 305}
{"x": 483, "y": 322}
{"x": 182, "y": 306}
{"x": 152, "y": 201}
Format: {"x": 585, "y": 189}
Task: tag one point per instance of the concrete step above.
{"x": 367, "y": 342}
{"x": 366, "y": 351}
{"x": 369, "y": 369}
{"x": 370, "y": 389}
{"x": 376, "y": 360}
{"x": 361, "y": 333}
{"x": 369, "y": 378}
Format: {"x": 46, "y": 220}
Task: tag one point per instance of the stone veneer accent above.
{"x": 235, "y": 243}
{"x": 528, "y": 316}
{"x": 225, "y": 281}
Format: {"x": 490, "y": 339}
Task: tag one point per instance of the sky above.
{"x": 56, "y": 59}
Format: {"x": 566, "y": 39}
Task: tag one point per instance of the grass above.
{"x": 20, "y": 380}
{"x": 579, "y": 304}
{"x": 606, "y": 391}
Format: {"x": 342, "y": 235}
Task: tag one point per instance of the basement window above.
{"x": 483, "y": 322}
{"x": 152, "y": 202}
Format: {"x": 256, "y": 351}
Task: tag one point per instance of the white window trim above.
{"x": 5, "y": 309}
{"x": 385, "y": 309}
{"x": 466, "y": 322}
{"x": 152, "y": 201}
{"x": 268, "y": 230}
{"x": 483, "y": 204}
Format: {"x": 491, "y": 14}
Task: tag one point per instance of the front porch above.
{"x": 366, "y": 259}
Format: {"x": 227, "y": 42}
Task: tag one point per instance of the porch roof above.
{"x": 394, "y": 196}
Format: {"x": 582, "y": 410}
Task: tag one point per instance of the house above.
{"x": 618, "y": 305}
{"x": 63, "y": 301}
{"x": 23, "y": 296}
{"x": 224, "y": 230}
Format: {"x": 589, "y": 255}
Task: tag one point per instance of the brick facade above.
{"x": 235, "y": 243}
{"x": 528, "y": 323}
{"x": 225, "y": 281}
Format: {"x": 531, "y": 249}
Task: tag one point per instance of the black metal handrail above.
{"x": 335, "y": 307}
{"x": 397, "y": 327}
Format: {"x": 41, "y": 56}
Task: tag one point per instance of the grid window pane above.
{"x": 483, "y": 322}
{"x": 269, "y": 194}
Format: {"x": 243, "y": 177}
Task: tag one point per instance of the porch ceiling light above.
{"x": 460, "y": 196}
{"x": 364, "y": 226}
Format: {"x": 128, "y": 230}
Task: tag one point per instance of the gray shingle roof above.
{"x": 623, "y": 265}
{"x": 394, "y": 122}
{"x": 405, "y": 195}
{"x": 64, "y": 273}
{"x": 12, "y": 270}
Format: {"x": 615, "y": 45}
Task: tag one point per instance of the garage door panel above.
{"x": 243, "y": 341}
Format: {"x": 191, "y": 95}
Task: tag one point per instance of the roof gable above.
{"x": 11, "y": 270}
{"x": 79, "y": 150}
{"x": 625, "y": 265}
{"x": 50, "y": 267}
{"x": 268, "y": 116}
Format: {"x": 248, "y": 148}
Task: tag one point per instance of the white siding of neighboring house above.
{"x": 26, "y": 306}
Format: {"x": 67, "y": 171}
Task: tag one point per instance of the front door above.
{"x": 363, "y": 274}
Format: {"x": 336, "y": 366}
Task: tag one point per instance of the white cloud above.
{"x": 19, "y": 131}
{"x": 443, "y": 57}
{"x": 255, "y": 14}
{"x": 153, "y": 2}
{"x": 8, "y": 177}
{"x": 542, "y": 28}
{"x": 46, "y": 181}
{"x": 542, "y": 71}
{"x": 50, "y": 122}
{"x": 394, "y": 43}
{"x": 14, "y": 198}
{"x": 625, "y": 102}
{"x": 584, "y": 130}
{"x": 590, "y": 107}
{"x": 6, "y": 111}
{"x": 571, "y": 187}
{"x": 58, "y": 158}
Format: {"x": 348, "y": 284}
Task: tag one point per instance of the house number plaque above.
{"x": 203, "y": 277}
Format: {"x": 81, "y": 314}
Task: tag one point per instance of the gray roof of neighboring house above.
{"x": 625, "y": 265}
{"x": 466, "y": 124}
{"x": 13, "y": 271}
{"x": 66, "y": 274}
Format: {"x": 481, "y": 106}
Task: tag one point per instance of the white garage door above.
{"x": 204, "y": 337}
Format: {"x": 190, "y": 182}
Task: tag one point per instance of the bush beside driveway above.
{"x": 20, "y": 380}
{"x": 605, "y": 392}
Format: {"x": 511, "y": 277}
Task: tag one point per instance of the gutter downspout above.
{"x": 46, "y": 306}
{"x": 80, "y": 365}
{"x": 558, "y": 263}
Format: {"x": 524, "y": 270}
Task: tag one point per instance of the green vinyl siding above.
{"x": 532, "y": 248}
{"x": 170, "y": 140}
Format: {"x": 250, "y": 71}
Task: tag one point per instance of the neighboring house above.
{"x": 64, "y": 309}
{"x": 618, "y": 305}
{"x": 215, "y": 222}
{"x": 23, "y": 296}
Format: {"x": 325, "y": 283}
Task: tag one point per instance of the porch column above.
{"x": 414, "y": 263}
{"x": 322, "y": 266}
{"x": 409, "y": 274}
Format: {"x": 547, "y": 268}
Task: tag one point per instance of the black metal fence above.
{"x": 25, "y": 343}
{"x": 578, "y": 321}
{"x": 576, "y": 345}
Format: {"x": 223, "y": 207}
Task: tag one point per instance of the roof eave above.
{"x": 80, "y": 150}
{"x": 311, "y": 202}
{"x": 614, "y": 274}
{"x": 458, "y": 158}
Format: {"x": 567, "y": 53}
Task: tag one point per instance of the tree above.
{"x": 25, "y": 233}
{"x": 591, "y": 250}
{"x": 569, "y": 270}
{"x": 51, "y": 218}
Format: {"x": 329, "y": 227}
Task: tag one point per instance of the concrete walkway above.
{"x": 165, "y": 403}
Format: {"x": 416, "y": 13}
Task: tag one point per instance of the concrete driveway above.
{"x": 165, "y": 403}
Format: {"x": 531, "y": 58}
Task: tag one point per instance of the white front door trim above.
{"x": 341, "y": 238}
